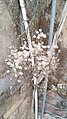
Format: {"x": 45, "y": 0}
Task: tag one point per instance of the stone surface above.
{"x": 7, "y": 36}
{"x": 57, "y": 106}
{"x": 17, "y": 105}
{"x": 47, "y": 116}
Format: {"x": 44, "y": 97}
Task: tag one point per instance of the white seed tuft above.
{"x": 20, "y": 73}
{"x": 8, "y": 71}
{"x": 40, "y": 30}
{"x": 37, "y": 32}
{"x": 34, "y": 36}
{"x": 16, "y": 75}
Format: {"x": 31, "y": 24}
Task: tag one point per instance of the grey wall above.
{"x": 7, "y": 35}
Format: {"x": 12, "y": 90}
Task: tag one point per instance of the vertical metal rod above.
{"x": 52, "y": 23}
{"x": 36, "y": 99}
{"x": 47, "y": 3}
{"x": 63, "y": 18}
{"x": 44, "y": 97}
{"x": 50, "y": 44}
{"x": 60, "y": 26}
{"x": 23, "y": 11}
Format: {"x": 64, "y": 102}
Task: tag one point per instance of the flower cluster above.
{"x": 61, "y": 88}
{"x": 19, "y": 60}
{"x": 40, "y": 53}
{"x": 40, "y": 36}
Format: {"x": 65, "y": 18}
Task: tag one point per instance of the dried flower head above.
{"x": 40, "y": 30}
{"x": 37, "y": 32}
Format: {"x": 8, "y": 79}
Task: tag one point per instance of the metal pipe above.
{"x": 23, "y": 11}
{"x": 63, "y": 18}
{"x": 60, "y": 26}
{"x": 50, "y": 44}
{"x": 36, "y": 99}
{"x": 51, "y": 28}
{"x": 44, "y": 97}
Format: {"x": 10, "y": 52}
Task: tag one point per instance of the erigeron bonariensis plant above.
{"x": 19, "y": 60}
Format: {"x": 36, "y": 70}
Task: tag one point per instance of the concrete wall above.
{"x": 7, "y": 33}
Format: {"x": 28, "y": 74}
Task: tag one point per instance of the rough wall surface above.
{"x": 16, "y": 103}
{"x": 7, "y": 36}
